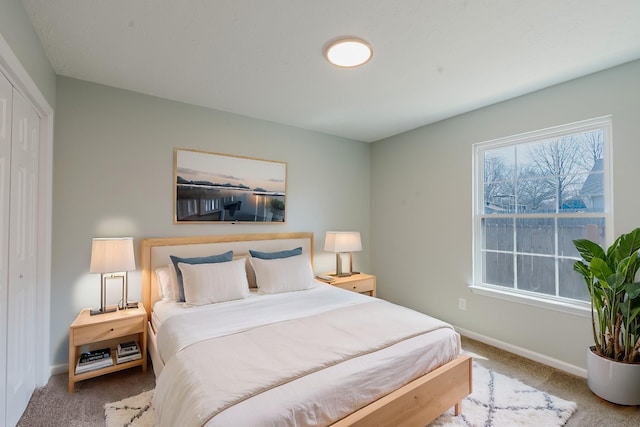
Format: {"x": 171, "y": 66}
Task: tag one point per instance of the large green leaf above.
{"x": 629, "y": 313}
{"x": 589, "y": 250}
{"x": 623, "y": 265}
{"x": 633, "y": 290}
{"x": 633, "y": 267}
{"x": 628, "y": 244}
{"x": 613, "y": 248}
{"x": 583, "y": 269}
{"x": 616, "y": 282}
{"x": 600, "y": 270}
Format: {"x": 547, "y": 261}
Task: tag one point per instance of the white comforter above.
{"x": 268, "y": 352}
{"x": 185, "y": 324}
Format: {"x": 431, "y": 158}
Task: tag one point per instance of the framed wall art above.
{"x": 213, "y": 187}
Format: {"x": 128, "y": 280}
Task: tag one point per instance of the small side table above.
{"x": 360, "y": 282}
{"x": 106, "y": 330}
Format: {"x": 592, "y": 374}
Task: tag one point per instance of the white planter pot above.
{"x": 613, "y": 381}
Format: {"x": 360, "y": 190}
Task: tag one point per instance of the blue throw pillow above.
{"x": 225, "y": 257}
{"x": 276, "y": 255}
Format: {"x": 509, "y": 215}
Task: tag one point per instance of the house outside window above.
{"x": 533, "y": 195}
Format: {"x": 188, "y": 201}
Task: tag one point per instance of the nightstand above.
{"x": 88, "y": 333}
{"x": 361, "y": 282}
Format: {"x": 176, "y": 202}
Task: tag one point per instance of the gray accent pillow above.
{"x": 276, "y": 255}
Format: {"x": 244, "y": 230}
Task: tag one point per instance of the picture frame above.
{"x": 221, "y": 188}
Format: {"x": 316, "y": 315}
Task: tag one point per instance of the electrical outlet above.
{"x": 462, "y": 304}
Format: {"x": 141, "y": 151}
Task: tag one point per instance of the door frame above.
{"x": 18, "y": 76}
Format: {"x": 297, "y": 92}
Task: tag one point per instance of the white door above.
{"x": 21, "y": 330}
{"x": 5, "y": 161}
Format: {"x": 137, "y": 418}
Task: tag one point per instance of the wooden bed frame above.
{"x": 415, "y": 404}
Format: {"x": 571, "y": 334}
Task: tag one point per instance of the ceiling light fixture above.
{"x": 348, "y": 52}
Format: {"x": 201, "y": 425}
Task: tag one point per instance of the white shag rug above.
{"x": 135, "y": 411}
{"x": 496, "y": 401}
{"x": 501, "y": 401}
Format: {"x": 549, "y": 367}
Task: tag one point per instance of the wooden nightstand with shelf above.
{"x": 88, "y": 333}
{"x": 360, "y": 282}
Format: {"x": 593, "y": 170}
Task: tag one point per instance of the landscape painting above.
{"x": 212, "y": 187}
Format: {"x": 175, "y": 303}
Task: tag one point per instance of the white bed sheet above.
{"x": 320, "y": 397}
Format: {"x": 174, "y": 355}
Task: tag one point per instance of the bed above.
{"x": 287, "y": 354}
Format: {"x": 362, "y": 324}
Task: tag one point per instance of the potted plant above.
{"x": 613, "y": 362}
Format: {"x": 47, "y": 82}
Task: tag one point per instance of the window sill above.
{"x": 582, "y": 309}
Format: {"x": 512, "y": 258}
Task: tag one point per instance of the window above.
{"x": 533, "y": 195}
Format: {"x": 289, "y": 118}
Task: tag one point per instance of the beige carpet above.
{"x": 52, "y": 405}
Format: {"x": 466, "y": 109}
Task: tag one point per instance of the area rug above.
{"x": 496, "y": 401}
{"x": 135, "y": 411}
{"x": 501, "y": 401}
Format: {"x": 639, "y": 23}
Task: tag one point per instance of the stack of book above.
{"x": 93, "y": 360}
{"x": 128, "y": 351}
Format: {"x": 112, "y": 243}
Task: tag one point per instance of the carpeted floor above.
{"x": 53, "y": 406}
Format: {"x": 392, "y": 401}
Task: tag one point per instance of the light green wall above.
{"x": 422, "y": 189}
{"x": 16, "y": 29}
{"x": 113, "y": 176}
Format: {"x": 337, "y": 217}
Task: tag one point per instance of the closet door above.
{"x": 5, "y": 160}
{"x": 21, "y": 330}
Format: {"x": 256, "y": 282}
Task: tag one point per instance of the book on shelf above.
{"x": 105, "y": 363}
{"x": 128, "y": 351}
{"x": 94, "y": 356}
{"x": 93, "y": 360}
{"x": 127, "y": 348}
{"x": 128, "y": 358}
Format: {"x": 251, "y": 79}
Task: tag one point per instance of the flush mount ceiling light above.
{"x": 348, "y": 52}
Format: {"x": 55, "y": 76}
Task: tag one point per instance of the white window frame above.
{"x": 516, "y": 295}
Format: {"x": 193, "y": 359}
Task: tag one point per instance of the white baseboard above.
{"x": 63, "y": 369}
{"x": 532, "y": 355}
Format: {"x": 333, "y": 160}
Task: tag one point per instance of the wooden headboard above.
{"x": 156, "y": 252}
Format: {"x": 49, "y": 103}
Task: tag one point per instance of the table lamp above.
{"x": 342, "y": 242}
{"x": 112, "y": 257}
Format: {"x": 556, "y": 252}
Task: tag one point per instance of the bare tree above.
{"x": 533, "y": 188}
{"x": 498, "y": 181}
{"x": 595, "y": 143}
{"x": 559, "y": 161}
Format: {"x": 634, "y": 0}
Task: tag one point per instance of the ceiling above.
{"x": 264, "y": 59}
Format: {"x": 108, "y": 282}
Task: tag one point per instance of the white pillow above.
{"x": 217, "y": 282}
{"x": 283, "y": 274}
{"x": 251, "y": 276}
{"x": 166, "y": 283}
{"x": 174, "y": 293}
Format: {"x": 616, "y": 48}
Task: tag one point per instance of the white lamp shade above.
{"x": 112, "y": 255}
{"x": 342, "y": 241}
